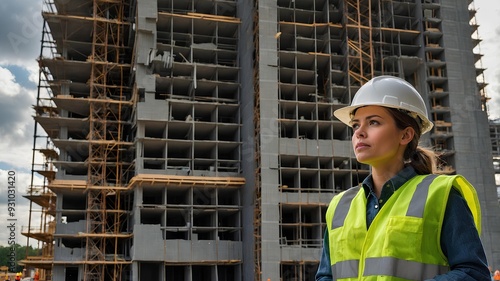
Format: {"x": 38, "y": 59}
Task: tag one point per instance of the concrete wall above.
{"x": 269, "y": 141}
{"x": 473, "y": 157}
{"x": 149, "y": 246}
{"x": 246, "y": 61}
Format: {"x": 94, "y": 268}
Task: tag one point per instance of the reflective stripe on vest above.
{"x": 343, "y": 207}
{"x": 402, "y": 268}
{"x": 387, "y": 266}
{"x": 417, "y": 203}
{"x": 345, "y": 269}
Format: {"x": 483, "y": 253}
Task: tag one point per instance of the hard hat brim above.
{"x": 344, "y": 115}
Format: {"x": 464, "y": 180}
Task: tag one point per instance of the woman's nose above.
{"x": 360, "y": 132}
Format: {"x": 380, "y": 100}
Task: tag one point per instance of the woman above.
{"x": 403, "y": 222}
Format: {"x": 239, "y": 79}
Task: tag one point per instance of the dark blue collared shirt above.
{"x": 460, "y": 240}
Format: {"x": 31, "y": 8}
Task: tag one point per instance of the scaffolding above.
{"x": 359, "y": 34}
{"x": 109, "y": 107}
{"x": 42, "y": 213}
{"x": 476, "y": 41}
{"x": 42, "y": 201}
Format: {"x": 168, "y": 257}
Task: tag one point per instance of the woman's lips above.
{"x": 361, "y": 145}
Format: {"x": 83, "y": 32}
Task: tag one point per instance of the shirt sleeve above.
{"x": 461, "y": 243}
{"x": 324, "y": 272}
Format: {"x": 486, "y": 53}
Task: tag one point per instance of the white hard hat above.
{"x": 388, "y": 91}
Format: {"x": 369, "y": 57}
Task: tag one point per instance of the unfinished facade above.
{"x": 495, "y": 147}
{"x": 195, "y": 139}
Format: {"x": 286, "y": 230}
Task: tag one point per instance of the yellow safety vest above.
{"x": 403, "y": 242}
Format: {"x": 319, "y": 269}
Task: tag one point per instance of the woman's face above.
{"x": 376, "y": 139}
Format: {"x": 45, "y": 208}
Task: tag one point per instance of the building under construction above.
{"x": 194, "y": 139}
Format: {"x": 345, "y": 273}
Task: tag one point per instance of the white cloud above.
{"x": 16, "y": 127}
{"x": 20, "y": 213}
{"x": 8, "y": 85}
{"x": 33, "y": 73}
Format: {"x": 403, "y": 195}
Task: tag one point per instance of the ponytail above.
{"x": 423, "y": 160}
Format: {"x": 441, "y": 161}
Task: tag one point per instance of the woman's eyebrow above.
{"x": 366, "y": 118}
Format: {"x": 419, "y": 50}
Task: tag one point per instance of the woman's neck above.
{"x": 380, "y": 175}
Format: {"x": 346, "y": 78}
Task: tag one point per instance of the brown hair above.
{"x": 423, "y": 160}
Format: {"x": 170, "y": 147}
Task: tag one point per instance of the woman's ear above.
{"x": 407, "y": 135}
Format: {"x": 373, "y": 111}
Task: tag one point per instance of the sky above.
{"x": 20, "y": 35}
{"x": 20, "y": 38}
